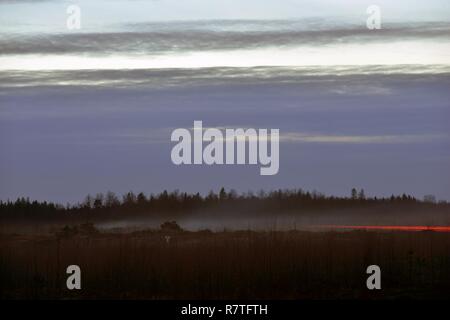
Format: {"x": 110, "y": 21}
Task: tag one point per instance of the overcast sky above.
{"x": 90, "y": 110}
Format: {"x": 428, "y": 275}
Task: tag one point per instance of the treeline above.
{"x": 110, "y": 205}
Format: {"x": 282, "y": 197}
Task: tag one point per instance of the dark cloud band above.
{"x": 184, "y": 37}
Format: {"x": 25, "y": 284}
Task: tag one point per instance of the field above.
{"x": 170, "y": 264}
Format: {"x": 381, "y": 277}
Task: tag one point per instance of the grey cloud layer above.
{"x": 160, "y": 38}
{"x": 352, "y": 80}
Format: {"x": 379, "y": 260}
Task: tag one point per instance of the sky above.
{"x": 91, "y": 110}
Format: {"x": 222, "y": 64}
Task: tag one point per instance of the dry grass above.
{"x": 241, "y": 265}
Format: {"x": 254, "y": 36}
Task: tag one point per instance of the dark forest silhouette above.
{"x": 296, "y": 201}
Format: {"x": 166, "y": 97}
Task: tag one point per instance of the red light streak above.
{"x": 391, "y": 228}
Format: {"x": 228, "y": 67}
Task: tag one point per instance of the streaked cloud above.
{"x": 211, "y": 44}
{"x": 176, "y": 37}
{"x": 296, "y": 137}
{"x": 337, "y": 80}
{"x": 162, "y": 136}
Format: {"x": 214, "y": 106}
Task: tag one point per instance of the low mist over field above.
{"x": 227, "y": 210}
